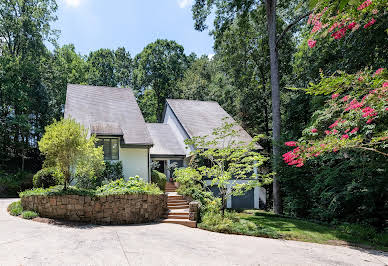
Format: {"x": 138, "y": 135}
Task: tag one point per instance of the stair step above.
{"x": 178, "y": 212}
{"x": 178, "y": 207}
{"x": 185, "y": 222}
{"x": 177, "y": 201}
{"x": 176, "y": 216}
{"x": 175, "y": 197}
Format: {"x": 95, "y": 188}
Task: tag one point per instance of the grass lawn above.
{"x": 265, "y": 224}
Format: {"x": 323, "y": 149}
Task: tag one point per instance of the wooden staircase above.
{"x": 178, "y": 208}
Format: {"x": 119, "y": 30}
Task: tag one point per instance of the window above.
{"x": 110, "y": 148}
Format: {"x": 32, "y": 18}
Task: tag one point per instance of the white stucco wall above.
{"x": 135, "y": 162}
{"x": 172, "y": 121}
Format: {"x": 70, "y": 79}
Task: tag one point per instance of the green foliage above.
{"x": 15, "y": 208}
{"x": 159, "y": 66}
{"x": 158, "y": 179}
{"x": 29, "y": 215}
{"x": 191, "y": 185}
{"x": 109, "y": 68}
{"x": 45, "y": 178}
{"x": 134, "y": 185}
{"x": 11, "y": 184}
{"x": 338, "y": 187}
{"x": 232, "y": 224}
{"x": 57, "y": 190}
{"x": 230, "y": 160}
{"x": 67, "y": 147}
{"x": 112, "y": 171}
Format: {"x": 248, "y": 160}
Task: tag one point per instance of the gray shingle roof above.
{"x": 107, "y": 111}
{"x": 200, "y": 118}
{"x": 165, "y": 141}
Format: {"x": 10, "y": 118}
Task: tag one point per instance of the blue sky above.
{"x": 94, "y": 24}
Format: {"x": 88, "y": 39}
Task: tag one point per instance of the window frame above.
{"x": 101, "y": 142}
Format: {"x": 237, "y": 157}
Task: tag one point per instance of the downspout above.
{"x": 149, "y": 165}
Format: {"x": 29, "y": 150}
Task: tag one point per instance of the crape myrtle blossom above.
{"x": 328, "y": 20}
{"x": 357, "y": 120}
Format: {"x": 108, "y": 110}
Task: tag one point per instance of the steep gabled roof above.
{"x": 165, "y": 141}
{"x": 107, "y": 111}
{"x": 200, "y": 118}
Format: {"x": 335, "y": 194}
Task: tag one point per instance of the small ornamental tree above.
{"x": 354, "y": 117}
{"x": 66, "y": 147}
{"x": 335, "y": 19}
{"x": 228, "y": 162}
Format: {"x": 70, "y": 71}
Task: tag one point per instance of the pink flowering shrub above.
{"x": 336, "y": 19}
{"x": 354, "y": 117}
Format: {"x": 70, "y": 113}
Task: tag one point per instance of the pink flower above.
{"x": 364, "y": 5}
{"x": 370, "y": 23}
{"x": 335, "y": 131}
{"x": 345, "y": 136}
{"x": 317, "y": 26}
{"x": 385, "y": 84}
{"x": 375, "y": 11}
{"x": 346, "y": 131}
{"x": 378, "y": 71}
{"x": 386, "y": 108}
{"x": 354, "y": 130}
{"x": 290, "y": 143}
{"x": 346, "y": 98}
{"x": 314, "y": 130}
{"x": 368, "y": 111}
{"x": 311, "y": 43}
{"x": 352, "y": 25}
{"x": 340, "y": 33}
{"x": 335, "y": 95}
{"x": 369, "y": 121}
{"x": 361, "y": 78}
{"x": 334, "y": 124}
{"x": 327, "y": 132}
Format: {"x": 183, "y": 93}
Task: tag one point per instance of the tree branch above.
{"x": 292, "y": 24}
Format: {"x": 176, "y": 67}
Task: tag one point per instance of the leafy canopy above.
{"x": 225, "y": 161}
{"x": 67, "y": 147}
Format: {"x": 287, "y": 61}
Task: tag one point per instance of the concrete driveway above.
{"x": 24, "y": 242}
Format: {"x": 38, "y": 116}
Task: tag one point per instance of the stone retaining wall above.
{"x": 114, "y": 209}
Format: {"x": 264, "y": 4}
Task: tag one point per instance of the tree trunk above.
{"x": 271, "y": 21}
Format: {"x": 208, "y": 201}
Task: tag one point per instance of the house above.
{"x": 112, "y": 114}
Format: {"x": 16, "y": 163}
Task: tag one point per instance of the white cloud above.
{"x": 184, "y": 3}
{"x": 72, "y": 3}
{"x": 210, "y": 56}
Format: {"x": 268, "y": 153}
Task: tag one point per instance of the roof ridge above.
{"x": 192, "y": 100}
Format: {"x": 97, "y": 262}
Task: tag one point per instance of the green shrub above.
{"x": 57, "y": 190}
{"x": 230, "y": 223}
{"x": 159, "y": 179}
{"x": 29, "y": 215}
{"x": 15, "y": 208}
{"x": 12, "y": 183}
{"x": 134, "y": 185}
{"x": 45, "y": 178}
{"x": 113, "y": 171}
{"x": 190, "y": 185}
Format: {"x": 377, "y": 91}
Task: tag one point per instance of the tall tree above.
{"x": 159, "y": 66}
{"x": 226, "y": 12}
{"x": 24, "y": 27}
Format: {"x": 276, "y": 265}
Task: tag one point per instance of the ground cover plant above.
{"x": 16, "y": 209}
{"x": 266, "y": 224}
{"x": 134, "y": 185}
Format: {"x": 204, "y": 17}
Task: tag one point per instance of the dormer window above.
{"x": 110, "y": 148}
